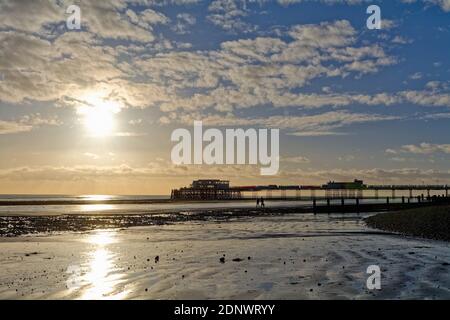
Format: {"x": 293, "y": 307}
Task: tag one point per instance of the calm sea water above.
{"x": 96, "y": 208}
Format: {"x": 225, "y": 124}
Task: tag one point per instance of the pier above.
{"x": 342, "y": 197}
{"x": 221, "y": 190}
{"x": 207, "y": 190}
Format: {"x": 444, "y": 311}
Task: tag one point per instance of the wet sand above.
{"x": 430, "y": 222}
{"x": 23, "y": 224}
{"x": 297, "y": 256}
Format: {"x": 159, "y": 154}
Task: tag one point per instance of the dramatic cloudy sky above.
{"x": 349, "y": 102}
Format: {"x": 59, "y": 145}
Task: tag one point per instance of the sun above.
{"x": 98, "y": 117}
{"x": 99, "y": 121}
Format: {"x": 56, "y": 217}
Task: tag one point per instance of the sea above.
{"x": 25, "y": 205}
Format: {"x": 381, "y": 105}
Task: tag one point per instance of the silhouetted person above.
{"x": 262, "y": 203}
{"x": 257, "y": 202}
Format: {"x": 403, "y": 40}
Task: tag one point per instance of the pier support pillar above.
{"x": 361, "y": 194}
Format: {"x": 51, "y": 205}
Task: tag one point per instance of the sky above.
{"x": 91, "y": 111}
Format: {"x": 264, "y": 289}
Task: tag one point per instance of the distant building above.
{"x": 210, "y": 184}
{"x": 207, "y": 190}
{"x": 355, "y": 185}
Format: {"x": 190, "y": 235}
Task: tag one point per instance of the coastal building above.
{"x": 207, "y": 190}
{"x": 355, "y": 185}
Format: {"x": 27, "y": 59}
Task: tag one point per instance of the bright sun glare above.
{"x": 99, "y": 121}
{"x": 98, "y": 116}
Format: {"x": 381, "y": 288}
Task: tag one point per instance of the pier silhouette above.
{"x": 352, "y": 196}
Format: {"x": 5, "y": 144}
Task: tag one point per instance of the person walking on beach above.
{"x": 257, "y": 202}
{"x": 262, "y": 203}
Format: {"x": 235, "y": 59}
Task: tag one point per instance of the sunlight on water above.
{"x": 103, "y": 279}
{"x": 96, "y": 207}
{"x": 96, "y": 197}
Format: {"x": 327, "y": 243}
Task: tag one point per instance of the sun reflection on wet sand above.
{"x": 103, "y": 279}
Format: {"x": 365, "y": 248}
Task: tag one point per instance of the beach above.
{"x": 292, "y": 256}
{"x": 431, "y": 222}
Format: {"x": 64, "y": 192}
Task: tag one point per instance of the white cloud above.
{"x": 184, "y": 22}
{"x": 228, "y": 15}
{"x": 89, "y": 173}
{"x": 308, "y": 125}
{"x": 426, "y": 148}
{"x": 416, "y": 76}
{"x": 297, "y": 159}
{"x": 27, "y": 123}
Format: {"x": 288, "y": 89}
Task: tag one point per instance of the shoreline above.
{"x": 46, "y": 202}
{"x": 18, "y": 225}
